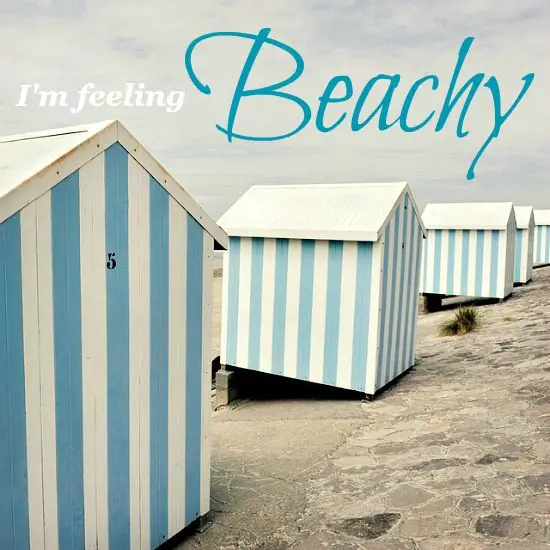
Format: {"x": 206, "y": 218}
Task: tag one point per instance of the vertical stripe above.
{"x": 268, "y": 305}
{"x": 140, "y": 352}
{"x": 430, "y": 242}
{"x": 14, "y": 510}
{"x": 374, "y": 315}
{"x": 207, "y": 289}
{"x": 518, "y": 262}
{"x": 495, "y": 263}
{"x": 437, "y": 262}
{"x": 193, "y": 405}
{"x": 395, "y": 265}
{"x": 346, "y": 331}
{"x": 47, "y": 368}
{"x": 31, "y": 333}
{"x": 472, "y": 263}
{"x": 94, "y": 351}
{"x": 465, "y": 262}
{"x": 305, "y": 309}
{"x": 243, "y": 321}
{"x": 411, "y": 314}
{"x": 159, "y": 227}
{"x": 457, "y": 263}
{"x": 177, "y": 359}
{"x": 530, "y": 251}
{"x": 400, "y": 363}
{"x": 386, "y": 270}
{"x": 232, "y": 316}
{"x": 425, "y": 263}
{"x": 292, "y": 307}
{"x": 486, "y": 263}
{"x": 418, "y": 243}
{"x": 118, "y": 398}
{"x": 318, "y": 312}
{"x": 451, "y": 260}
{"x": 361, "y": 334}
{"x": 68, "y": 361}
{"x": 444, "y": 261}
{"x": 479, "y": 262}
{"x": 255, "y": 321}
{"x": 332, "y": 319}
{"x": 279, "y": 314}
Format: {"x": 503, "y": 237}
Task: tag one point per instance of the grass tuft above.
{"x": 465, "y": 320}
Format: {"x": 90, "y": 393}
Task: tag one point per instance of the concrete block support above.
{"x": 226, "y": 387}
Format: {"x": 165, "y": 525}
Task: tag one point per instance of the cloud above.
{"x": 63, "y": 45}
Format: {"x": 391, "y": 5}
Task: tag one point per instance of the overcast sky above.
{"x": 63, "y": 44}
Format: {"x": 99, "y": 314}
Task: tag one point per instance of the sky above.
{"x": 64, "y": 44}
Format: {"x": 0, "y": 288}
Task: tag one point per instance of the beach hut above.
{"x": 541, "y": 248}
{"x": 469, "y": 249}
{"x": 105, "y": 335}
{"x": 525, "y": 235}
{"x": 321, "y": 283}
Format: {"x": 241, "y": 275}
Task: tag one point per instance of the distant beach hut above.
{"x": 321, "y": 283}
{"x": 541, "y": 248}
{"x": 105, "y": 338}
{"x": 525, "y": 236}
{"x": 469, "y": 250}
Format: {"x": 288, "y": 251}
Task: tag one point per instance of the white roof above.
{"x": 31, "y": 164}
{"x": 524, "y": 216}
{"x": 473, "y": 215}
{"x": 542, "y": 217}
{"x": 344, "y": 211}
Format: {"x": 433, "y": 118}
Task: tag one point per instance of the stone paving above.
{"x": 456, "y": 456}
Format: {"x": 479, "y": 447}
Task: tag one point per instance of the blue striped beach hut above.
{"x": 469, "y": 249}
{"x": 321, "y": 283}
{"x": 541, "y": 248}
{"x": 525, "y": 236}
{"x": 105, "y": 335}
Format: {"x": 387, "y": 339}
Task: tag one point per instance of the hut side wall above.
{"x": 476, "y": 263}
{"x": 530, "y": 249}
{"x": 402, "y": 245}
{"x": 523, "y": 263}
{"x": 104, "y": 373}
{"x": 510, "y": 256}
{"x": 542, "y": 244}
{"x": 302, "y": 309}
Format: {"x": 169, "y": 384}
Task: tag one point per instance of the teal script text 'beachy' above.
{"x": 339, "y": 90}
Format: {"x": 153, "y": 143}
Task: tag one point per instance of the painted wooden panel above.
{"x": 541, "y": 248}
{"x": 105, "y": 335}
{"x": 399, "y": 299}
{"x": 523, "y": 264}
{"x": 476, "y": 263}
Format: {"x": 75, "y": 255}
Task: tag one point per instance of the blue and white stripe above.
{"x": 523, "y": 264}
{"x": 340, "y": 313}
{"x": 476, "y": 263}
{"x": 541, "y": 248}
{"x": 104, "y": 374}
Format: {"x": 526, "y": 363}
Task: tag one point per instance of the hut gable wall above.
{"x": 401, "y": 258}
{"x": 105, "y": 321}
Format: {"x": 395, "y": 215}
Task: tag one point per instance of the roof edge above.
{"x": 104, "y": 135}
{"x": 172, "y": 186}
{"x": 406, "y": 190}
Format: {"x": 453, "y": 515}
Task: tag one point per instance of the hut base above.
{"x": 200, "y": 525}
{"x": 430, "y": 303}
{"x": 372, "y": 396}
{"x": 227, "y": 387}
